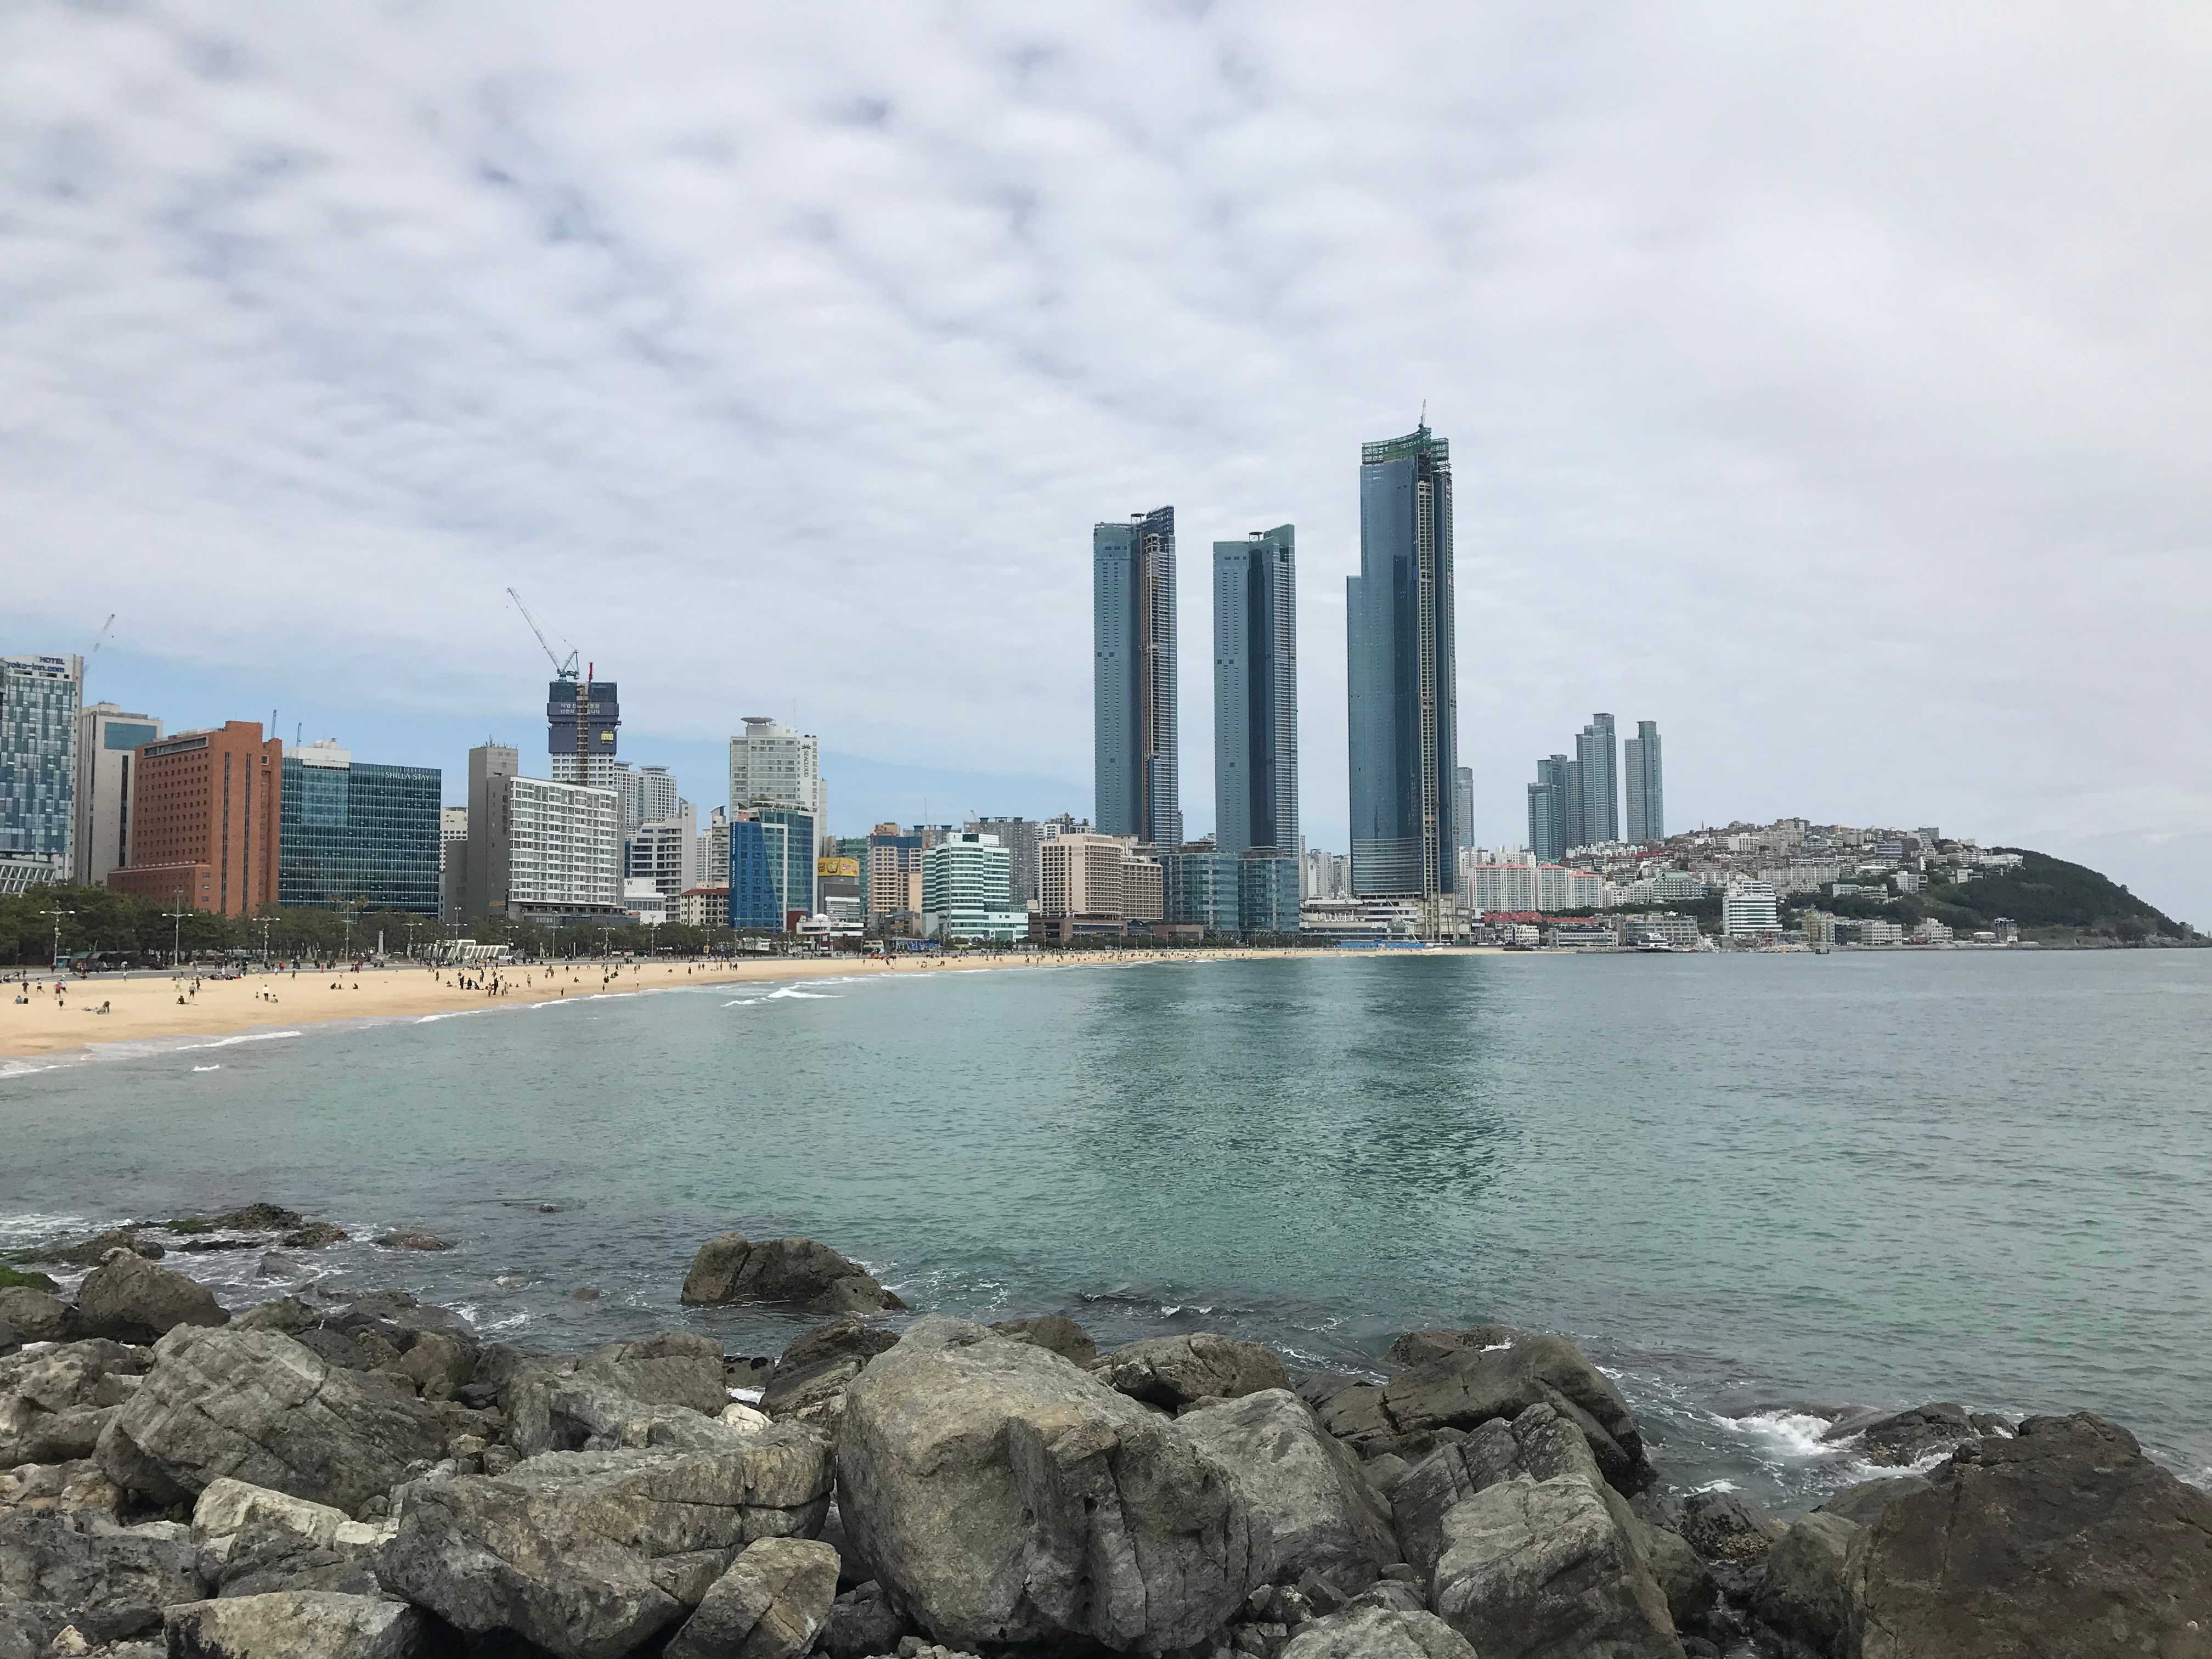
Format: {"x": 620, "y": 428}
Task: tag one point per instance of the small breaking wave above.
{"x": 228, "y": 1041}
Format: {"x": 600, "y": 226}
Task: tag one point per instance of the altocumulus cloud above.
{"x": 1834, "y": 387}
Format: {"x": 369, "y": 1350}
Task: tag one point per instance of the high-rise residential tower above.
{"x": 1463, "y": 806}
{"x": 775, "y": 765}
{"x": 1647, "y": 792}
{"x": 1598, "y": 765}
{"x": 1256, "y": 694}
{"x": 1401, "y": 671}
{"x": 107, "y": 739}
{"x": 1549, "y": 835}
{"x": 39, "y": 698}
{"x": 1132, "y": 631}
{"x": 582, "y": 721}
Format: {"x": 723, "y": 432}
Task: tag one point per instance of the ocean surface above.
{"x": 1745, "y": 1184}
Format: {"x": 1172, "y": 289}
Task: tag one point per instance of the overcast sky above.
{"x": 1831, "y": 384}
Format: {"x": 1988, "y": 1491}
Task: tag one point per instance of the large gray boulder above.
{"x": 566, "y": 1413}
{"x": 1350, "y": 1407}
{"x": 131, "y": 1299}
{"x": 34, "y": 1316}
{"x": 1462, "y": 1378}
{"x": 671, "y": 1368}
{"x": 2064, "y": 1539}
{"x": 1539, "y": 1444}
{"x": 1804, "y": 1594}
{"x": 254, "y": 1541}
{"x": 557, "y": 1408}
{"x": 295, "y": 1624}
{"x": 1860, "y": 1504}
{"x": 792, "y": 1272}
{"x": 1003, "y": 1496}
{"x": 258, "y": 1407}
{"x": 1319, "y": 1514}
{"x": 810, "y": 1376}
{"x": 771, "y": 1604}
{"x": 109, "y": 1583}
{"x": 1175, "y": 1371}
{"x": 862, "y": 1622}
{"x": 588, "y": 1554}
{"x": 1546, "y": 1570}
{"x": 1376, "y": 1632}
{"x": 1056, "y": 1332}
{"x": 1899, "y": 1439}
{"x": 55, "y": 1401}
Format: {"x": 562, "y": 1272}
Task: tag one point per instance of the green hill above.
{"x": 2043, "y": 895}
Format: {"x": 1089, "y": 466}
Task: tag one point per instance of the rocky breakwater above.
{"x": 369, "y": 1479}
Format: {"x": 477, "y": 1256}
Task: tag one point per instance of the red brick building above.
{"x": 203, "y": 826}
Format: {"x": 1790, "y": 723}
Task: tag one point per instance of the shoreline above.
{"x": 145, "y": 1008}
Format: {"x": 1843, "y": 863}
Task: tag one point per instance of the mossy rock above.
{"x": 11, "y": 1278}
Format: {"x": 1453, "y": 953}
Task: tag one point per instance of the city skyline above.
{"x": 534, "y": 360}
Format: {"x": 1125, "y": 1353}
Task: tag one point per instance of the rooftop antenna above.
{"x": 1424, "y": 414}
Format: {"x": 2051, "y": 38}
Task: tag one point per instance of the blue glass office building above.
{"x": 791, "y": 838}
{"x": 357, "y": 834}
{"x": 1230, "y": 893}
{"x": 1402, "y": 672}
{"x": 755, "y": 904}
{"x": 1200, "y": 888}
{"x": 1134, "y": 715}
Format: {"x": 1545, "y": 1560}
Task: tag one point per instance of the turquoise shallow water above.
{"x": 1745, "y": 1183}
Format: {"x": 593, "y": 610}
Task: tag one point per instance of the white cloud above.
{"x": 1831, "y": 387}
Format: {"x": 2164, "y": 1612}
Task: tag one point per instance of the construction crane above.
{"x": 99, "y": 639}
{"x": 565, "y": 670}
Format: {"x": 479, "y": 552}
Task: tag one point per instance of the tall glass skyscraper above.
{"x": 1255, "y": 693}
{"x": 38, "y": 701}
{"x": 1402, "y": 672}
{"x": 1133, "y": 592}
{"x": 1549, "y": 835}
{"x": 1598, "y": 765}
{"x": 356, "y": 833}
{"x": 1647, "y": 792}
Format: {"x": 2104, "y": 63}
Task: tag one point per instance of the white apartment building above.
{"x": 714, "y": 850}
{"x": 564, "y": 845}
{"x": 1747, "y": 909}
{"x": 665, "y": 852}
{"x": 967, "y": 890}
{"x": 106, "y": 738}
{"x": 774, "y": 765}
{"x": 648, "y": 794}
{"x": 1326, "y": 875}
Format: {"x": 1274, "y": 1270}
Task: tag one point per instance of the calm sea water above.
{"x": 1745, "y": 1183}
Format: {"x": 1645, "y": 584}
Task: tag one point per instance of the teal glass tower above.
{"x": 1133, "y": 579}
{"x": 1402, "y": 680}
{"x": 353, "y": 833}
{"x": 1255, "y": 693}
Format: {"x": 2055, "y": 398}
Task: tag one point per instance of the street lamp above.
{"x": 176, "y": 931}
{"x": 58, "y": 913}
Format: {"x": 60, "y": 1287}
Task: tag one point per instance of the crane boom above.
{"x": 565, "y": 670}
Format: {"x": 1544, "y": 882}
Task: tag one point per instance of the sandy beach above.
{"x": 143, "y": 1008}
